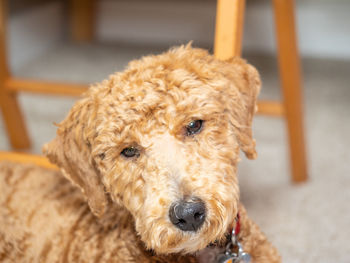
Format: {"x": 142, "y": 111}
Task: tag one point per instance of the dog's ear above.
{"x": 243, "y": 90}
{"x": 71, "y": 152}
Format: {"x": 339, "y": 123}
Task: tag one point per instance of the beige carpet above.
{"x": 308, "y": 222}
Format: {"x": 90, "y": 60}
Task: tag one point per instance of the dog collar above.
{"x": 234, "y": 252}
{"x": 238, "y": 225}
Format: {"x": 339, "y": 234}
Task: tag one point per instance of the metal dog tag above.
{"x": 234, "y": 252}
{"x": 227, "y": 258}
{"x": 243, "y": 258}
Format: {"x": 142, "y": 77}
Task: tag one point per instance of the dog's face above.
{"x": 162, "y": 139}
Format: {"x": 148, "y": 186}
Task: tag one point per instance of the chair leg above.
{"x": 11, "y": 112}
{"x": 290, "y": 72}
{"x": 229, "y": 28}
{"x": 82, "y": 20}
{"x": 14, "y": 121}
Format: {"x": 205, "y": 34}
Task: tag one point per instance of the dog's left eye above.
{"x": 130, "y": 152}
{"x": 194, "y": 127}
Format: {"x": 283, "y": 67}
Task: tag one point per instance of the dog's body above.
{"x": 154, "y": 151}
{"x": 44, "y": 218}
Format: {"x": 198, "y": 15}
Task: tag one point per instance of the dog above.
{"x": 149, "y": 163}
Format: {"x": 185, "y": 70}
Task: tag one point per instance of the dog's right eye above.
{"x": 130, "y": 152}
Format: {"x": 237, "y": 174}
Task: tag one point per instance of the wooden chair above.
{"x": 228, "y": 40}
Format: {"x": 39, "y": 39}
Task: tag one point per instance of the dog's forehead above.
{"x": 160, "y": 92}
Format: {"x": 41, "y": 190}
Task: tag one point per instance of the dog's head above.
{"x": 162, "y": 139}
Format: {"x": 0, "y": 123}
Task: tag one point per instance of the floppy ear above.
{"x": 243, "y": 91}
{"x": 71, "y": 152}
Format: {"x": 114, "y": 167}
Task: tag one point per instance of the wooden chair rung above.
{"x": 27, "y": 158}
{"x": 44, "y": 87}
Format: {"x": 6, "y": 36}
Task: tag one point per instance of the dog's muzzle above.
{"x": 188, "y": 215}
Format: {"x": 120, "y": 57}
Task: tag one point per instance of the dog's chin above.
{"x": 163, "y": 237}
{"x": 184, "y": 242}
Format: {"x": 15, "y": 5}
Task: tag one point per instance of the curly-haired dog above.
{"x": 154, "y": 150}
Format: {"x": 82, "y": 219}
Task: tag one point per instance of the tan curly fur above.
{"x": 44, "y": 218}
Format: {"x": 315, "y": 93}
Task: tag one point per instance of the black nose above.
{"x": 187, "y": 215}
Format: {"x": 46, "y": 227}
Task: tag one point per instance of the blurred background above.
{"x": 308, "y": 222}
